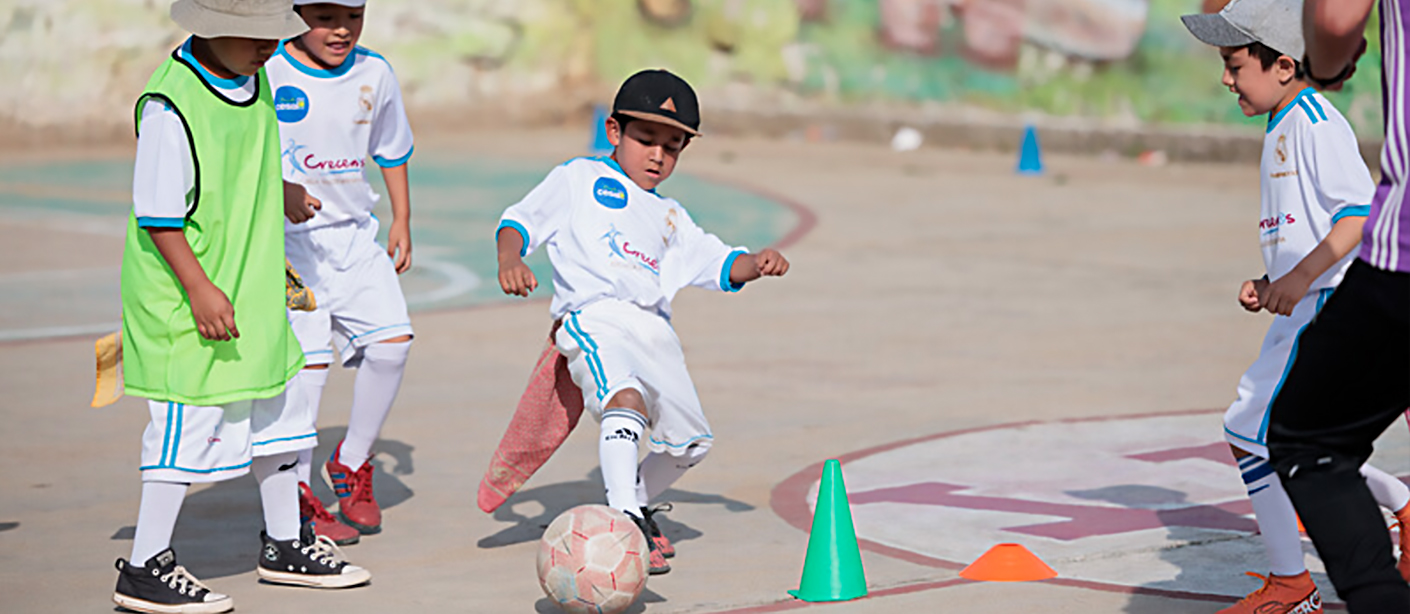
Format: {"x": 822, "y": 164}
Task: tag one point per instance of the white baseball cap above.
{"x": 348, "y": 3}
{"x": 260, "y": 19}
{"x": 1275, "y": 23}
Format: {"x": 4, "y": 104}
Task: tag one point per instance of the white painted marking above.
{"x": 459, "y": 280}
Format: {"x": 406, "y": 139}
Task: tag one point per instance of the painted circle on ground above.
{"x": 1144, "y": 504}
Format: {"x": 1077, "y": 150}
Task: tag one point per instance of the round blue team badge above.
{"x": 290, "y": 104}
{"x": 609, "y": 193}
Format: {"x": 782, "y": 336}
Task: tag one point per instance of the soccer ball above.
{"x": 593, "y": 559}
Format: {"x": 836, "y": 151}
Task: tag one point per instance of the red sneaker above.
{"x": 312, "y": 512}
{"x": 657, "y": 564}
{"x": 654, "y": 531}
{"x": 354, "y": 489}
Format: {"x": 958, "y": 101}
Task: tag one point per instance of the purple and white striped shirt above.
{"x": 1385, "y": 242}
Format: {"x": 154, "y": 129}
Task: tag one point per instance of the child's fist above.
{"x": 771, "y": 263}
{"x": 516, "y": 278}
{"x": 299, "y": 205}
{"x": 1249, "y": 292}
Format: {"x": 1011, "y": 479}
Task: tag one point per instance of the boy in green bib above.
{"x": 206, "y": 335}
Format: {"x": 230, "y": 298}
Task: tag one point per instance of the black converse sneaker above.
{"x": 163, "y": 587}
{"x": 308, "y": 560}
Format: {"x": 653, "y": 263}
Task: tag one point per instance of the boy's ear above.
{"x": 614, "y": 131}
{"x": 1286, "y": 68}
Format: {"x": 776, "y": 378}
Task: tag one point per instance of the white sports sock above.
{"x": 1388, "y": 490}
{"x": 156, "y": 519}
{"x": 1277, "y": 520}
{"x": 278, "y": 494}
{"x": 378, "y": 379}
{"x": 314, "y": 381}
{"x": 616, "y": 450}
{"x": 658, "y": 471}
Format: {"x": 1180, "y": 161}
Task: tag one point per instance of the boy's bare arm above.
{"x": 1335, "y": 35}
{"x": 1283, "y": 295}
{"x": 749, "y": 267}
{"x": 399, "y": 235}
{"x": 514, "y": 276}
{"x": 214, "y": 315}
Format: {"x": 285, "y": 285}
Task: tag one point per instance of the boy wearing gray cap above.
{"x": 207, "y": 340}
{"x": 1315, "y": 195}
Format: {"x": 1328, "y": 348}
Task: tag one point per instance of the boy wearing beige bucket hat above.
{"x": 207, "y": 340}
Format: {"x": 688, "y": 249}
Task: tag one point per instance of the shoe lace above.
{"x": 649, "y": 514}
{"x": 362, "y": 490}
{"x": 184, "y": 583}
{"x": 1254, "y": 596}
{"x": 324, "y": 552}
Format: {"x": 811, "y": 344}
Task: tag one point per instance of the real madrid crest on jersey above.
{"x": 365, "y": 104}
{"x": 1281, "y": 149}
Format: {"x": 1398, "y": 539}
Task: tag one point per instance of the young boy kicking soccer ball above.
{"x": 1315, "y": 192}
{"x": 620, "y": 252}
{"x": 339, "y": 104}
{"x": 203, "y": 296}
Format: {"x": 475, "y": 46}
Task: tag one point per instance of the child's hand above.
{"x": 1282, "y": 296}
{"x": 771, "y": 263}
{"x": 299, "y": 205}
{"x": 1248, "y": 294}
{"x": 215, "y": 316}
{"x": 516, "y": 278}
{"x": 399, "y": 246}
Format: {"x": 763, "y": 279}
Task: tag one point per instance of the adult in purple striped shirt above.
{"x": 1350, "y": 379}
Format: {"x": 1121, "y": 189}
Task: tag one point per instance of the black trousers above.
{"x": 1349, "y": 381}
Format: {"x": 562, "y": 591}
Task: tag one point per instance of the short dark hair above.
{"x": 1267, "y": 57}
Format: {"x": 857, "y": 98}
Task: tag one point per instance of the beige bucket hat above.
{"x": 262, "y": 19}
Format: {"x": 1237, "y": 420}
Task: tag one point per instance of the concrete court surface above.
{"x": 937, "y": 295}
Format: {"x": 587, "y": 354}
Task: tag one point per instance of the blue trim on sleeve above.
{"x": 1352, "y": 211}
{"x": 725, "y": 283}
{"x": 395, "y": 162}
{"x": 523, "y": 232}
{"x": 1312, "y": 100}
{"x": 321, "y": 73}
{"x": 225, "y": 84}
{"x": 161, "y": 222}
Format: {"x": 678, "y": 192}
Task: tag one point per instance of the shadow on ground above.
{"x": 553, "y": 499}
{"x": 217, "y": 534}
{"x": 1201, "y": 555}
{"x": 547, "y": 606}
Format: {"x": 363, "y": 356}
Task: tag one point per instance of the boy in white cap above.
{"x": 1315, "y": 193}
{"x": 339, "y": 104}
{"x": 206, "y": 337}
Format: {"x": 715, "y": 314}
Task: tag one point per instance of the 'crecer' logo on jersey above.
{"x": 610, "y": 193}
{"x": 290, "y": 104}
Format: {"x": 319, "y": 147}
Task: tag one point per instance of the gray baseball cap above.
{"x": 1275, "y": 23}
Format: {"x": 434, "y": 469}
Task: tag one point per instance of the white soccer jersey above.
{"x": 608, "y": 238}
{"x": 1312, "y": 175}
{"x": 163, "y": 175}
{"x": 330, "y": 122}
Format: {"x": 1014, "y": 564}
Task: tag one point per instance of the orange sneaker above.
{"x": 1280, "y": 595}
{"x": 1402, "y": 521}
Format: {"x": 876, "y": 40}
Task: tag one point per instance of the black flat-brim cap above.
{"x": 659, "y": 96}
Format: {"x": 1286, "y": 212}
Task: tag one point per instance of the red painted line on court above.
{"x": 790, "y": 501}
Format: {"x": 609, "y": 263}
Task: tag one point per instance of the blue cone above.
{"x": 1030, "y": 155}
{"x": 600, "y": 144}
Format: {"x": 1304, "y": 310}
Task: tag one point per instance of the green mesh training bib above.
{"x": 235, "y": 226}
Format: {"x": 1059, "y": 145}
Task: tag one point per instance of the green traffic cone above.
{"x": 832, "y": 570}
